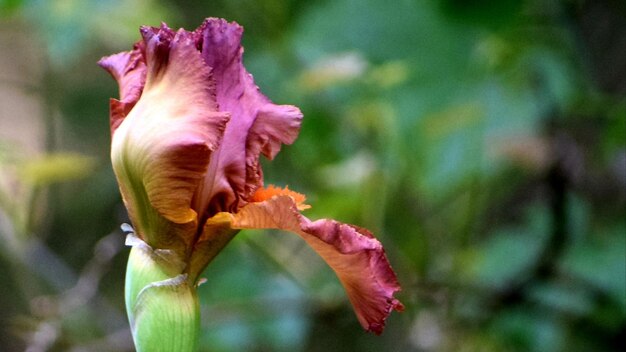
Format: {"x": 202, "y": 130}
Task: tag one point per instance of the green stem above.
{"x": 162, "y": 305}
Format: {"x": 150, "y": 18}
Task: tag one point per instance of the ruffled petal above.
{"x": 265, "y": 193}
{"x": 129, "y": 70}
{"x": 353, "y": 253}
{"x": 162, "y": 149}
{"x": 257, "y": 125}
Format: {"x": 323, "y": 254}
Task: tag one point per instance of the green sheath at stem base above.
{"x": 162, "y": 306}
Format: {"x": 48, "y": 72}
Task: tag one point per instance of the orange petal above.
{"x": 263, "y": 194}
{"x": 353, "y": 253}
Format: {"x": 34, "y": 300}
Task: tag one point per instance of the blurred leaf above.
{"x": 389, "y": 74}
{"x": 502, "y": 260}
{"x": 565, "y": 298}
{"x": 579, "y": 218}
{"x": 452, "y": 120}
{"x": 528, "y": 330}
{"x": 452, "y": 141}
{"x": 352, "y": 172}
{"x": 600, "y": 263}
{"x": 57, "y": 167}
{"x": 246, "y": 306}
{"x": 332, "y": 70}
{"x": 70, "y": 26}
{"x": 487, "y": 13}
{"x": 506, "y": 257}
{"x": 8, "y": 7}
{"x": 615, "y": 135}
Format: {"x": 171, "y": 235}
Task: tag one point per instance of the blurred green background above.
{"x": 483, "y": 142}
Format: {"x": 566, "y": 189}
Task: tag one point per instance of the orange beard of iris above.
{"x": 263, "y": 194}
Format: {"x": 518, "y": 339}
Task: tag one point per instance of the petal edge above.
{"x": 354, "y": 254}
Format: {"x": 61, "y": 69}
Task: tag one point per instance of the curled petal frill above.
{"x": 129, "y": 70}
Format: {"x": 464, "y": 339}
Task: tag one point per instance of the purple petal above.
{"x": 256, "y": 126}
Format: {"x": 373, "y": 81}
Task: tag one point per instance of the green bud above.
{"x": 162, "y": 305}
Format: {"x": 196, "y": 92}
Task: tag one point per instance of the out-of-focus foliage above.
{"x": 73, "y": 26}
{"x": 483, "y": 142}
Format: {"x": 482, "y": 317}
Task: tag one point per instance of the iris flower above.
{"x": 187, "y": 134}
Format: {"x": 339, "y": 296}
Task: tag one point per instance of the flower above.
{"x": 187, "y": 134}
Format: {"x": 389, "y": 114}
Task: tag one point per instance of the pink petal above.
{"x": 256, "y": 126}
{"x": 353, "y": 253}
{"x": 129, "y": 70}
